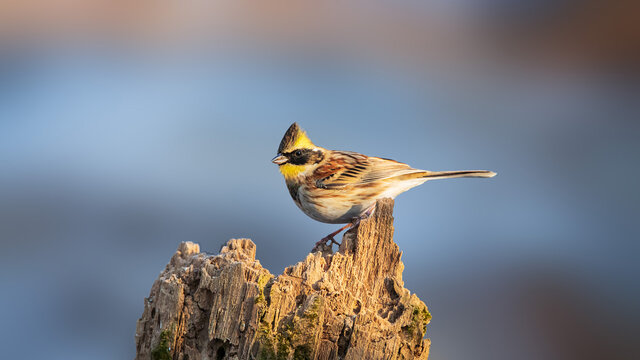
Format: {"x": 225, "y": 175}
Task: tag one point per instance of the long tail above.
{"x": 457, "y": 174}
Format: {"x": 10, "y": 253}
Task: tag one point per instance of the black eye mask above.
{"x": 304, "y": 156}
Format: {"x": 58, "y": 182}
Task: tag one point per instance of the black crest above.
{"x": 289, "y": 137}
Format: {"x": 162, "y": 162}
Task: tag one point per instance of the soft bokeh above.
{"x": 128, "y": 127}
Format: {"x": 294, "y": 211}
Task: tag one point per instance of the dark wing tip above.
{"x": 289, "y": 137}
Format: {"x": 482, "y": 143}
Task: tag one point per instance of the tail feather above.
{"x": 432, "y": 175}
{"x": 458, "y": 174}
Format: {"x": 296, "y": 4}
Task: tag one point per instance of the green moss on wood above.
{"x": 162, "y": 351}
{"x": 263, "y": 279}
{"x": 293, "y": 337}
{"x": 420, "y": 317}
{"x": 302, "y": 352}
{"x": 284, "y": 348}
{"x": 313, "y": 311}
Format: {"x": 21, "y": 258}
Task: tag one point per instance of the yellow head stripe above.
{"x": 302, "y": 141}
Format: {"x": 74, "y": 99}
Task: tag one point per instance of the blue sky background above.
{"x": 111, "y": 158}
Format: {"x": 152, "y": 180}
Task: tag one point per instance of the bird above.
{"x": 342, "y": 187}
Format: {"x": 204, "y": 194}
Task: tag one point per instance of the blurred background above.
{"x": 128, "y": 127}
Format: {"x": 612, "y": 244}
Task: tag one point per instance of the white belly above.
{"x": 341, "y": 207}
{"x": 338, "y": 210}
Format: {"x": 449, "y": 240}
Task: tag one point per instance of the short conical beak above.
{"x": 280, "y": 159}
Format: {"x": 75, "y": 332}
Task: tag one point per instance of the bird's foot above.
{"x": 324, "y": 245}
{"x": 328, "y": 241}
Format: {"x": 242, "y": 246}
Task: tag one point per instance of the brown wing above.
{"x": 345, "y": 169}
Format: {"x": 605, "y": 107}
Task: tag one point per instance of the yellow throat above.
{"x": 291, "y": 171}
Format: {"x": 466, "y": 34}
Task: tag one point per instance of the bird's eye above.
{"x": 298, "y": 152}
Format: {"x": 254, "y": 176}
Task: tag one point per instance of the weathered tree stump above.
{"x": 346, "y": 305}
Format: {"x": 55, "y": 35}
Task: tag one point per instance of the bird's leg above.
{"x": 330, "y": 236}
{"x": 367, "y": 213}
{"x": 356, "y": 221}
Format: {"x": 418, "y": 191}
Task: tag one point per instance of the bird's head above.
{"x": 296, "y": 153}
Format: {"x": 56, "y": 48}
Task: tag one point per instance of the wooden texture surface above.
{"x": 351, "y": 304}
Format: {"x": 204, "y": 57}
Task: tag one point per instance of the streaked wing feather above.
{"x": 347, "y": 169}
{"x": 386, "y": 169}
